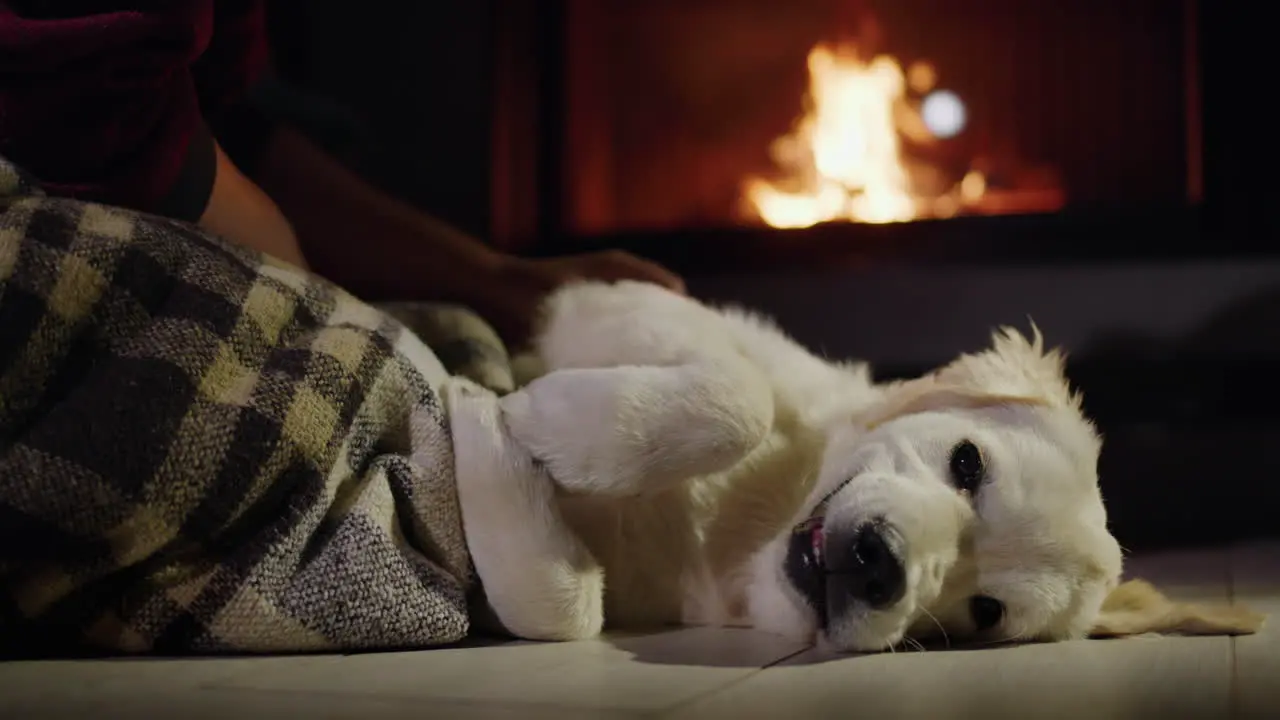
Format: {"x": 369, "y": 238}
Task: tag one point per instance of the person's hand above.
{"x": 522, "y": 284}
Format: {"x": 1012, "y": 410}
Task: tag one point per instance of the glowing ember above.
{"x": 843, "y": 161}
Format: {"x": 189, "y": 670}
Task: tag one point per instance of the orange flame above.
{"x": 843, "y": 160}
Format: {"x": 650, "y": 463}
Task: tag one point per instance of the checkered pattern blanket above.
{"x": 204, "y": 450}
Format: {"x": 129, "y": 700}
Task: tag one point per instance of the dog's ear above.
{"x": 927, "y": 393}
{"x": 1135, "y": 608}
{"x": 1014, "y": 364}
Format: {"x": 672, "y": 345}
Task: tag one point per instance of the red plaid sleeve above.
{"x": 110, "y": 105}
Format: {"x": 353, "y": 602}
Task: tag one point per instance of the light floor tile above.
{"x": 643, "y": 672}
{"x": 1256, "y": 583}
{"x": 702, "y": 672}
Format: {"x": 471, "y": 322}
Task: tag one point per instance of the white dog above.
{"x": 679, "y": 464}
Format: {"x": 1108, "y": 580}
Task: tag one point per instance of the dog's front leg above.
{"x": 634, "y": 429}
{"x": 540, "y": 580}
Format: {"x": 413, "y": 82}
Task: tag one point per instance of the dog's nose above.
{"x": 864, "y": 567}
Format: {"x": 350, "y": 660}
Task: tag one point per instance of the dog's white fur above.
{"x": 653, "y": 474}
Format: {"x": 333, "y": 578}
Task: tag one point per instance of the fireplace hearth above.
{"x": 1081, "y": 237}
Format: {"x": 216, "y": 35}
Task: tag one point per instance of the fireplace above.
{"x": 832, "y": 131}
{"x": 672, "y": 106}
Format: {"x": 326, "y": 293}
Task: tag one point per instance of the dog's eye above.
{"x": 987, "y": 612}
{"x": 967, "y": 467}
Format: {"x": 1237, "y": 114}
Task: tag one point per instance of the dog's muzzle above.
{"x": 837, "y": 570}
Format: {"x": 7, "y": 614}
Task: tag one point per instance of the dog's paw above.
{"x": 484, "y": 450}
{"x": 458, "y": 388}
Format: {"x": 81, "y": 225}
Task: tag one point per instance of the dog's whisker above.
{"x": 946, "y": 639}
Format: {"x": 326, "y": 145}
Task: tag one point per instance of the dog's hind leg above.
{"x": 634, "y": 429}
{"x": 539, "y": 579}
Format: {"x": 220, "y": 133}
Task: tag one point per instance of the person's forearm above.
{"x": 364, "y": 240}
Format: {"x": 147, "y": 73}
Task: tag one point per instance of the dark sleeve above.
{"x": 104, "y": 106}
{"x": 236, "y": 61}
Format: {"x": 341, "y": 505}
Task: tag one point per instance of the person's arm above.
{"x": 99, "y": 107}
{"x": 362, "y": 239}
{"x": 343, "y": 227}
{"x": 382, "y": 248}
{"x": 241, "y": 212}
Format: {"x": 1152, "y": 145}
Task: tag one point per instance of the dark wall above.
{"x": 418, "y": 77}
{"x": 1241, "y": 153}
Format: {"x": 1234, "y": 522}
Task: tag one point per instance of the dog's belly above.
{"x": 681, "y": 556}
{"x": 646, "y": 545}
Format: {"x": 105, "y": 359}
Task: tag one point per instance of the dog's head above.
{"x": 964, "y": 504}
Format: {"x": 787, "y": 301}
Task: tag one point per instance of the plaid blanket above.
{"x": 205, "y": 450}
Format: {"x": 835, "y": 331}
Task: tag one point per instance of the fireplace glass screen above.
{"x": 682, "y": 114}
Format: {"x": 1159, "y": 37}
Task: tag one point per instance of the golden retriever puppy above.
{"x": 674, "y": 463}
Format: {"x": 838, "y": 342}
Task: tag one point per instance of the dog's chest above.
{"x": 681, "y": 556}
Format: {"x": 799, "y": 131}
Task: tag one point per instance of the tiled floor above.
{"x": 702, "y": 673}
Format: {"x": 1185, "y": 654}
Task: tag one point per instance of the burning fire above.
{"x": 844, "y": 159}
